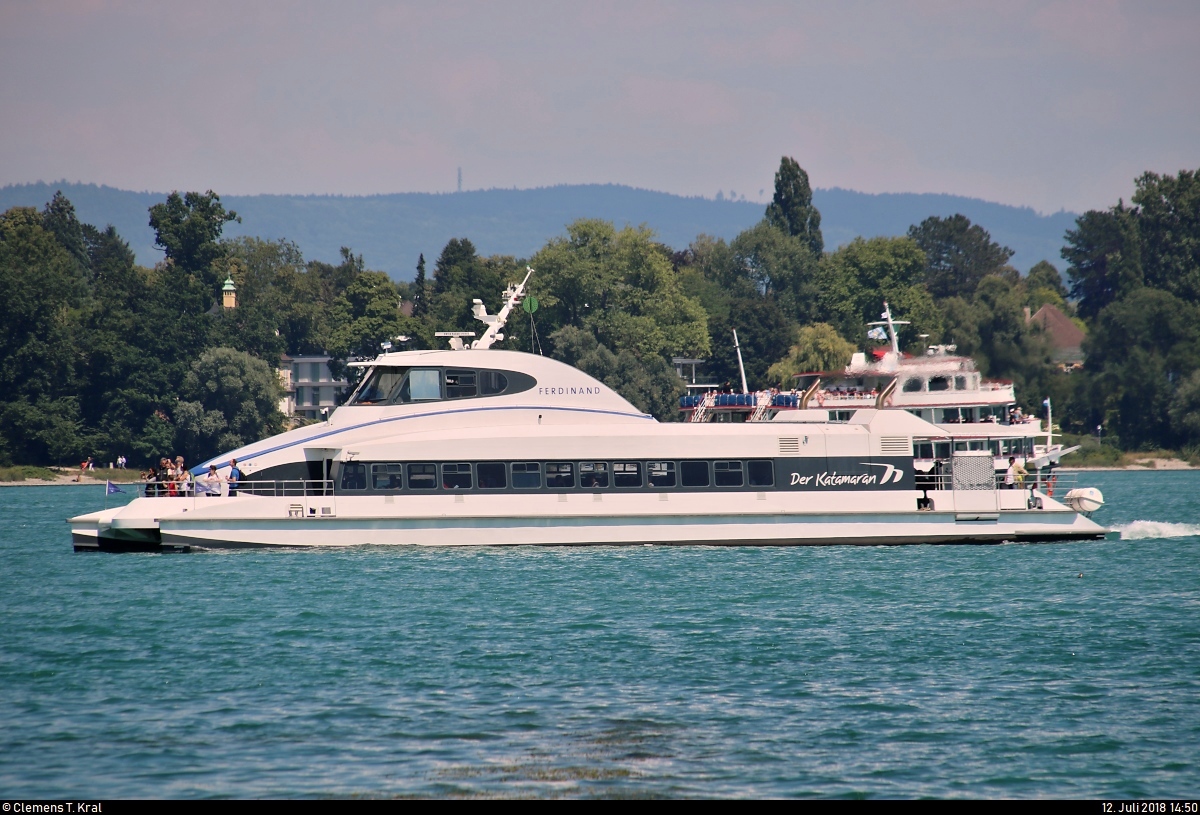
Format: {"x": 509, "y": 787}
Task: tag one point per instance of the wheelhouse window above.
{"x": 456, "y": 476}
{"x": 761, "y": 473}
{"x": 526, "y": 475}
{"x": 912, "y": 385}
{"x": 727, "y": 473}
{"x": 354, "y": 476}
{"x": 422, "y": 385}
{"x": 693, "y": 473}
{"x": 379, "y": 387}
{"x": 661, "y": 473}
{"x": 593, "y": 475}
{"x": 490, "y": 475}
{"x": 939, "y": 383}
{"x": 386, "y": 477}
{"x": 492, "y": 383}
{"x": 627, "y": 474}
{"x": 560, "y": 475}
{"x": 422, "y": 476}
{"x": 460, "y": 384}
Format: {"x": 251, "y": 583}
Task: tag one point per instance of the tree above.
{"x": 1105, "y": 257}
{"x": 1139, "y": 349}
{"x": 647, "y": 382}
{"x": 775, "y": 265}
{"x": 187, "y": 228}
{"x": 958, "y": 254}
{"x": 420, "y": 296}
{"x": 854, "y": 282}
{"x": 1045, "y": 285}
{"x": 764, "y": 334}
{"x": 791, "y": 210}
{"x": 818, "y": 348}
{"x": 1168, "y": 216}
{"x": 230, "y": 399}
{"x": 622, "y": 286}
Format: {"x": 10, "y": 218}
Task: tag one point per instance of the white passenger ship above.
{"x": 480, "y": 447}
{"x": 940, "y": 387}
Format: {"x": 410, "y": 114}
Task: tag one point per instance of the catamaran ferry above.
{"x": 479, "y": 447}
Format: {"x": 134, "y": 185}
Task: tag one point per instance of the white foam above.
{"x": 1156, "y": 530}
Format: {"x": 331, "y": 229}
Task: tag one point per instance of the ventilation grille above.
{"x": 974, "y": 473}
{"x": 900, "y": 445}
{"x": 789, "y": 447}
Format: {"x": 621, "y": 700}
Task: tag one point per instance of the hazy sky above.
{"x": 1048, "y": 104}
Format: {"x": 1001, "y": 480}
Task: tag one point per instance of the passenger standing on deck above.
{"x": 1010, "y": 475}
{"x": 235, "y": 475}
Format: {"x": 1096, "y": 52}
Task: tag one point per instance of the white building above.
{"x": 309, "y": 386}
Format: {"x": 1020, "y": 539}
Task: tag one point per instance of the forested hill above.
{"x": 390, "y": 231}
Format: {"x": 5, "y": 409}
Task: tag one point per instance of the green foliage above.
{"x": 187, "y": 228}
{"x": 1105, "y": 257}
{"x": 27, "y": 473}
{"x": 818, "y": 348}
{"x": 958, "y": 255}
{"x": 764, "y": 334}
{"x": 622, "y": 286}
{"x": 229, "y": 399}
{"x": 1184, "y": 410}
{"x": 1139, "y": 348}
{"x": 855, "y": 281}
{"x": 792, "y": 211}
{"x": 649, "y": 383}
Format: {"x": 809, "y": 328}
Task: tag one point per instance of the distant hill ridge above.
{"x": 390, "y": 231}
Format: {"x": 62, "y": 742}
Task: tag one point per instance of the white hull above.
{"x": 756, "y": 519}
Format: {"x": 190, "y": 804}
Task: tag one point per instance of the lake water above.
{"x": 993, "y": 671}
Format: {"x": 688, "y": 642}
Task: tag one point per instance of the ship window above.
{"x": 727, "y": 473}
{"x": 662, "y": 473}
{"x": 977, "y": 445}
{"x": 378, "y": 387}
{"x": 460, "y": 384}
{"x": 960, "y": 446}
{"x": 762, "y": 473}
{"x": 994, "y": 446}
{"x": 942, "y": 449}
{"x": 354, "y": 476}
{"x": 627, "y": 474}
{"x": 386, "y": 476}
{"x": 422, "y": 476}
{"x": 939, "y": 383}
{"x": 693, "y": 473}
{"x": 526, "y": 475}
{"x": 960, "y": 383}
{"x": 423, "y": 384}
{"x": 456, "y": 476}
{"x": 560, "y": 475}
{"x": 593, "y": 475}
{"x": 492, "y": 383}
{"x": 490, "y": 475}
{"x": 924, "y": 450}
{"x": 912, "y": 385}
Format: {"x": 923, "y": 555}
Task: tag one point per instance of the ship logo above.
{"x": 890, "y": 473}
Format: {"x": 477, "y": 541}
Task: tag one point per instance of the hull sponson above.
{"x": 768, "y": 530}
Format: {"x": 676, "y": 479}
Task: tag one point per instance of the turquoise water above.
{"x": 894, "y": 672}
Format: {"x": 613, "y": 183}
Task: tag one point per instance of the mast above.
{"x": 495, "y": 322}
{"x": 891, "y": 326}
{"x": 741, "y": 367}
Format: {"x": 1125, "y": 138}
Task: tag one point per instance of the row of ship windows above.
{"x": 554, "y": 475}
{"x": 998, "y": 447}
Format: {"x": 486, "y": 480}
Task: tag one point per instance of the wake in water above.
{"x": 1156, "y": 530}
